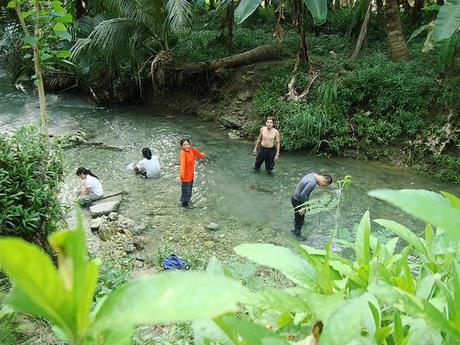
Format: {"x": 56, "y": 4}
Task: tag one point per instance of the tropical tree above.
{"x": 395, "y": 36}
{"x": 443, "y": 33}
{"x": 43, "y": 22}
{"x": 142, "y": 28}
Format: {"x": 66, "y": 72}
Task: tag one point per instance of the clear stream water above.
{"x": 247, "y": 206}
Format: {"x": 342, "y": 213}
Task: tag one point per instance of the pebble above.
{"x": 212, "y": 226}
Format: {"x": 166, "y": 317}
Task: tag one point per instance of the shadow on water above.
{"x": 247, "y": 205}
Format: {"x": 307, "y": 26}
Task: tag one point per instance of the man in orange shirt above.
{"x": 187, "y": 157}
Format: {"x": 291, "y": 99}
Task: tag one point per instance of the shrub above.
{"x": 30, "y": 173}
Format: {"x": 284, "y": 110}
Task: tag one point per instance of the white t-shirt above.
{"x": 94, "y": 184}
{"x": 151, "y": 166}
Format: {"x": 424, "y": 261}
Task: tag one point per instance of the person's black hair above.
{"x": 83, "y": 170}
{"x": 184, "y": 140}
{"x": 146, "y": 153}
{"x": 328, "y": 179}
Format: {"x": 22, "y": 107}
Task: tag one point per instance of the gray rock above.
{"x": 212, "y": 226}
{"x": 113, "y": 216}
{"x": 233, "y": 135}
{"x": 231, "y": 122}
{"x": 129, "y": 248}
{"x": 105, "y": 207}
{"x": 106, "y": 231}
{"x": 96, "y": 223}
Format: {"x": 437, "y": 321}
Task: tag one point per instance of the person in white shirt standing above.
{"x": 92, "y": 187}
{"x": 149, "y": 166}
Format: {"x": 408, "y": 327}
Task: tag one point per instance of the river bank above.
{"x": 234, "y": 101}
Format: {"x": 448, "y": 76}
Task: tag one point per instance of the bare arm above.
{"x": 258, "y": 141}
{"x": 277, "y": 144}
{"x": 85, "y": 191}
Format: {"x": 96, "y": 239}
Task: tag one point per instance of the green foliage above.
{"x": 64, "y": 296}
{"x": 54, "y": 21}
{"x": 381, "y": 297}
{"x": 30, "y": 174}
{"x": 447, "y": 168}
{"x": 448, "y": 21}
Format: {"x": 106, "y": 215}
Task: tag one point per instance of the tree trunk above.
{"x": 417, "y": 12}
{"x": 164, "y": 71}
{"x": 396, "y": 41}
{"x": 363, "y": 32}
{"x": 299, "y": 17}
{"x": 43, "y": 117}
{"x": 227, "y": 32}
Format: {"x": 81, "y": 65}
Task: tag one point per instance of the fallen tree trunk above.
{"x": 165, "y": 72}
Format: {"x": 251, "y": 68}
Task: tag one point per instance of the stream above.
{"x": 247, "y": 206}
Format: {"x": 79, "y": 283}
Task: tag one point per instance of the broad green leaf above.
{"x": 11, "y": 4}
{"x": 362, "y": 245}
{"x": 428, "y": 206}
{"x": 214, "y": 266}
{"x": 415, "y": 307}
{"x": 456, "y": 294}
{"x": 318, "y": 10}
{"x": 322, "y": 306}
{"x": 404, "y": 233}
{"x": 171, "y": 296}
{"x": 447, "y": 21}
{"x": 78, "y": 274}
{"x": 58, "y": 8}
{"x": 280, "y": 258}
{"x": 279, "y": 300}
{"x": 203, "y": 330}
{"x": 59, "y": 27}
{"x": 245, "y": 9}
{"x": 39, "y": 289}
{"x": 116, "y": 336}
{"x": 250, "y": 332}
{"x": 347, "y": 323}
{"x": 421, "y": 333}
{"x": 64, "y": 35}
{"x": 63, "y": 54}
{"x": 452, "y": 198}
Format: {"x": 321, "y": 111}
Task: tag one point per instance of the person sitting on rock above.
{"x": 149, "y": 166}
{"x": 92, "y": 187}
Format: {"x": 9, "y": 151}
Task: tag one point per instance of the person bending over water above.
{"x": 149, "y": 166}
{"x": 269, "y": 141}
{"x": 92, "y": 187}
{"x": 302, "y": 194}
{"x": 187, "y": 157}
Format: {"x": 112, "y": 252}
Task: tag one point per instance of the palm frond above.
{"x": 179, "y": 13}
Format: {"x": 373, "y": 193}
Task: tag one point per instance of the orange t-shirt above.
{"x": 187, "y": 163}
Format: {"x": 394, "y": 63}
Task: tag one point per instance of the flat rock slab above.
{"x": 105, "y": 206}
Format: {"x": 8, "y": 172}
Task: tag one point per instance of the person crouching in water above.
{"x": 149, "y": 166}
{"x": 187, "y": 157}
{"x": 92, "y": 187}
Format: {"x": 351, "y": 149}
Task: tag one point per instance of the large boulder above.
{"x": 231, "y": 122}
{"x": 105, "y": 206}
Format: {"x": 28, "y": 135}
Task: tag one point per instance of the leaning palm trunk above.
{"x": 165, "y": 72}
{"x": 363, "y": 32}
{"x": 396, "y": 41}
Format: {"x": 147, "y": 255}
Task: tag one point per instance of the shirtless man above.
{"x": 269, "y": 139}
